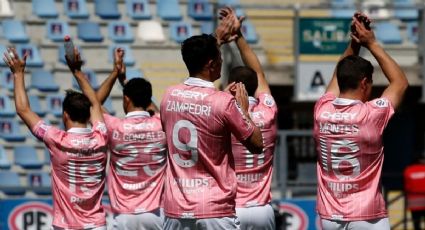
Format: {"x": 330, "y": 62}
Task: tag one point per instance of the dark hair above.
{"x": 139, "y": 91}
{"x": 77, "y": 105}
{"x": 247, "y": 76}
{"x": 198, "y": 50}
{"x": 351, "y": 70}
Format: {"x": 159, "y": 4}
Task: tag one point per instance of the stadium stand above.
{"x": 109, "y": 107}
{"x": 133, "y": 73}
{"x": 169, "y": 10}
{"x": 412, "y": 31}
{"x": 10, "y": 183}
{"x": 6, "y": 106}
{"x": 376, "y": 9}
{"x": 249, "y": 33}
{"x": 388, "y": 33}
{"x": 5, "y": 9}
{"x": 120, "y": 32}
{"x": 35, "y": 103}
{"x": 46, "y": 155}
{"x": 10, "y": 130}
{"x": 179, "y": 31}
{"x": 34, "y": 57}
{"x": 207, "y": 27}
{"x": 40, "y": 183}
{"x": 76, "y": 9}
{"x": 138, "y": 9}
{"x": 89, "y": 32}
{"x": 43, "y": 80}
{"x": 405, "y": 10}
{"x": 107, "y": 9}
{"x": 61, "y": 53}
{"x": 56, "y": 30}
{"x": 16, "y": 31}
{"x": 26, "y": 157}
{"x": 91, "y": 76}
{"x": 4, "y": 160}
{"x": 54, "y": 104}
{"x": 150, "y": 31}
{"x": 44, "y": 8}
{"x": 200, "y": 10}
{"x": 6, "y": 79}
{"x": 2, "y": 50}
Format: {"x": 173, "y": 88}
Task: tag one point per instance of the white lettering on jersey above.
{"x": 188, "y": 94}
{"x": 333, "y": 128}
{"x": 140, "y": 126}
{"x": 192, "y": 108}
{"x": 338, "y": 116}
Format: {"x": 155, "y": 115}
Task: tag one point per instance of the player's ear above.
{"x": 363, "y": 83}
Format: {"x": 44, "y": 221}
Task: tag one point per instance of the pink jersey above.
{"x": 136, "y": 173}
{"x": 198, "y": 121}
{"x": 348, "y": 135}
{"x": 78, "y": 161}
{"x": 254, "y": 171}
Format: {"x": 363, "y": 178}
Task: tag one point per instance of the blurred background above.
{"x": 298, "y": 43}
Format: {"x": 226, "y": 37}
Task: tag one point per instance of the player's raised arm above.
{"x": 17, "y": 67}
{"x": 118, "y": 72}
{"x": 392, "y": 71}
{"x": 75, "y": 67}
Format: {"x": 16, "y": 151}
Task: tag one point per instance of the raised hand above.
{"x": 362, "y": 35}
{"x": 74, "y": 65}
{"x": 119, "y": 66}
{"x": 241, "y": 97}
{"x": 12, "y": 60}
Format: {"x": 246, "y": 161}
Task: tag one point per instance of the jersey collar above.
{"x": 252, "y": 100}
{"x": 137, "y": 114}
{"x": 79, "y": 130}
{"x": 345, "y": 101}
{"x": 194, "y": 81}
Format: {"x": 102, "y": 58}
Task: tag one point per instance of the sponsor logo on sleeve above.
{"x": 101, "y": 127}
{"x": 268, "y": 101}
{"x": 381, "y": 103}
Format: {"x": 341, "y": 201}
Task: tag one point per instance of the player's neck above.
{"x": 74, "y": 124}
{"x": 135, "y": 109}
{"x": 353, "y": 95}
{"x": 204, "y": 75}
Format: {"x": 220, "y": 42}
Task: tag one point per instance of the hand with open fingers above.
{"x": 119, "y": 65}
{"x": 74, "y": 65}
{"x": 11, "y": 58}
{"x": 231, "y": 88}
{"x": 224, "y": 30}
{"x": 236, "y": 21}
{"x": 363, "y": 36}
{"x": 241, "y": 97}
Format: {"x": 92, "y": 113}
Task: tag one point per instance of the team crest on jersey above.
{"x": 381, "y": 103}
{"x": 101, "y": 127}
{"x": 268, "y": 101}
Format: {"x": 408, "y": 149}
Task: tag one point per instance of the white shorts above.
{"x": 258, "y": 217}
{"x": 143, "y": 221}
{"x": 222, "y": 223}
{"x": 376, "y": 224}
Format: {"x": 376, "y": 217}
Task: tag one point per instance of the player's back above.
{"x": 137, "y": 145}
{"x": 200, "y": 178}
{"x": 348, "y": 135}
{"x": 254, "y": 171}
{"x": 78, "y": 161}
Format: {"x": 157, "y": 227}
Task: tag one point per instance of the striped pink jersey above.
{"x": 348, "y": 135}
{"x": 136, "y": 167}
{"x": 254, "y": 171}
{"x": 198, "y": 121}
{"x": 78, "y": 161}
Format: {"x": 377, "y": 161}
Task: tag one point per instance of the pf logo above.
{"x": 31, "y": 216}
{"x": 294, "y": 218}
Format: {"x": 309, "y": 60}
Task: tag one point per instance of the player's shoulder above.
{"x": 266, "y": 100}
{"x": 379, "y": 103}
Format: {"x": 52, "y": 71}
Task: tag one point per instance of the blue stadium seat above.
{"x": 388, "y": 33}
{"x": 200, "y": 10}
{"x": 56, "y": 30}
{"x": 89, "y": 32}
{"x": 47, "y": 156}
{"x": 10, "y": 130}
{"x": 138, "y": 9}
{"x": 76, "y": 9}
{"x": 231, "y": 3}
{"x": 343, "y": 13}
{"x": 343, "y": 4}
{"x": 43, "y": 80}
{"x": 36, "y": 105}
{"x": 169, "y": 10}
{"x": 3, "y": 49}
{"x": 207, "y": 27}
{"x": 179, "y": 31}
{"x": 248, "y": 32}
{"x": 120, "y": 32}
{"x": 6, "y": 79}
{"x": 91, "y": 75}
{"x": 34, "y": 57}
{"x": 108, "y": 106}
{"x": 26, "y": 157}
{"x": 4, "y": 160}
{"x": 7, "y": 109}
{"x": 133, "y": 73}
{"x": 40, "y": 183}
{"x": 107, "y": 9}
{"x": 44, "y": 8}
{"x": 10, "y": 184}
{"x": 128, "y": 58}
{"x": 54, "y": 104}
{"x": 412, "y": 29}
{"x": 14, "y": 31}
{"x": 405, "y": 9}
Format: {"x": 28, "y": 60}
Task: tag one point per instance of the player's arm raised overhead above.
{"x": 392, "y": 71}
{"x": 353, "y": 48}
{"x": 75, "y": 67}
{"x": 17, "y": 67}
{"x": 118, "y": 72}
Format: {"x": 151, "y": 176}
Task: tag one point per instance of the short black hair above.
{"x": 198, "y": 50}
{"x": 351, "y": 70}
{"x": 247, "y": 76}
{"x": 139, "y": 91}
{"x": 77, "y": 106}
